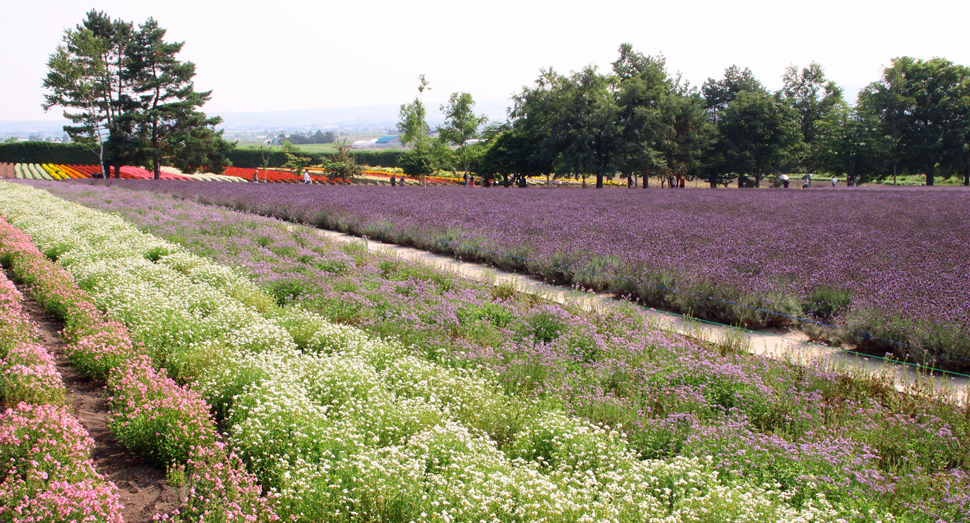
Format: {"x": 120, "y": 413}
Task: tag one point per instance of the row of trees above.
{"x": 306, "y": 139}
{"x": 131, "y": 99}
{"x": 638, "y": 121}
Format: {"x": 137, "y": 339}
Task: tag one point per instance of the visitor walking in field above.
{"x": 256, "y": 176}
{"x": 306, "y": 177}
{"x": 393, "y": 181}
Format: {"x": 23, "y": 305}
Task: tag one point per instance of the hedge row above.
{"x": 77, "y": 154}
{"x": 277, "y": 158}
{"x": 46, "y": 152}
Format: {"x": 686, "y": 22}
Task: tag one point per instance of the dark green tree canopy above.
{"x": 813, "y": 96}
{"x": 130, "y": 84}
{"x": 850, "y": 142}
{"x": 720, "y": 93}
{"x": 758, "y": 132}
{"x": 922, "y": 106}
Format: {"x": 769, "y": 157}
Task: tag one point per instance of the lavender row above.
{"x": 809, "y": 430}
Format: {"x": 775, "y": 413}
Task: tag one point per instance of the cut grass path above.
{"x": 791, "y": 344}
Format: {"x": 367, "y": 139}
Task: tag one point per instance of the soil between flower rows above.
{"x": 142, "y": 488}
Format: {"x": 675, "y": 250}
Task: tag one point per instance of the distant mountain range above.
{"x": 364, "y": 117}
{"x": 33, "y": 126}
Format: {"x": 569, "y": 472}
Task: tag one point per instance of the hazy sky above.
{"x": 279, "y": 55}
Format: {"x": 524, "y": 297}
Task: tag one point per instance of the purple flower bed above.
{"x": 807, "y": 429}
{"x": 890, "y": 267}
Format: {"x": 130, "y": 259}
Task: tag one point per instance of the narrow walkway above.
{"x": 789, "y": 344}
{"x": 142, "y": 488}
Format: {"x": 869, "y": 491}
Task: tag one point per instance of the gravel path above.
{"x": 790, "y": 344}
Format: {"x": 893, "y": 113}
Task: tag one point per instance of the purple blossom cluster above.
{"x": 809, "y": 429}
{"x": 889, "y": 267}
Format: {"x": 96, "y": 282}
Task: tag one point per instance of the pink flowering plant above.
{"x": 151, "y": 414}
{"x": 218, "y": 488}
{"x": 97, "y": 353}
{"x": 48, "y": 475}
{"x": 156, "y": 418}
{"x": 28, "y": 373}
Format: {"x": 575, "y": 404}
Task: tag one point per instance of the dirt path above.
{"x": 142, "y": 488}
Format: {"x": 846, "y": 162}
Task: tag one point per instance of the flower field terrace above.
{"x": 807, "y": 430}
{"x": 880, "y": 264}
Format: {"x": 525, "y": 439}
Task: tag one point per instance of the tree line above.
{"x": 131, "y": 99}
{"x": 639, "y": 121}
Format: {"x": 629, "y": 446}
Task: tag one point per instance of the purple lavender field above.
{"x": 884, "y": 265}
{"x": 808, "y": 430}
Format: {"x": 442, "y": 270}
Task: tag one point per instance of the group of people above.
{"x": 675, "y": 182}
{"x": 396, "y": 182}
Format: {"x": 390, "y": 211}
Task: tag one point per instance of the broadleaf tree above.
{"x": 421, "y": 158}
{"x": 850, "y": 142}
{"x": 758, "y": 132}
{"x": 641, "y": 97}
{"x": 461, "y": 124}
{"x": 813, "y": 97}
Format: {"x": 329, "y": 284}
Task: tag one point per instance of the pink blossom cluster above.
{"x": 150, "y": 413}
{"x": 27, "y": 371}
{"x": 220, "y": 489}
{"x": 47, "y": 474}
{"x": 154, "y": 416}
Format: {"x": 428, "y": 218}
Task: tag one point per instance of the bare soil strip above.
{"x": 142, "y": 488}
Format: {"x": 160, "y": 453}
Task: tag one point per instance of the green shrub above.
{"x": 826, "y": 303}
{"x": 45, "y": 152}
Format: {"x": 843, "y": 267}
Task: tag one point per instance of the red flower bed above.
{"x": 88, "y": 171}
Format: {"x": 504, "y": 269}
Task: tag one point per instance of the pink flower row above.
{"x": 27, "y": 370}
{"x": 48, "y": 474}
{"x": 150, "y": 413}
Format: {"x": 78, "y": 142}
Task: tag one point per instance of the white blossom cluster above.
{"x": 186, "y": 310}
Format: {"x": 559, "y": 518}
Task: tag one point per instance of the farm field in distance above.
{"x": 887, "y": 268}
{"x": 502, "y": 405}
